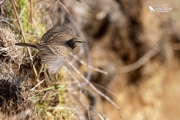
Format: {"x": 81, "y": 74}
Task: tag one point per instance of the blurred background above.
{"x": 137, "y": 42}
{"x": 139, "y": 49}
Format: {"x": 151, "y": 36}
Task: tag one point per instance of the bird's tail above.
{"x": 27, "y": 45}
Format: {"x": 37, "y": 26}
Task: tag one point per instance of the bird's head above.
{"x": 74, "y": 42}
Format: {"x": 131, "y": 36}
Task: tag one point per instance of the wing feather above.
{"x": 51, "y": 58}
{"x": 52, "y": 33}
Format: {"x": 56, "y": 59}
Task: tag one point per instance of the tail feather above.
{"x": 27, "y": 45}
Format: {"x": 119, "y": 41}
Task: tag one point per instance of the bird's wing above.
{"x": 57, "y": 39}
{"x": 54, "y": 31}
{"x": 51, "y": 58}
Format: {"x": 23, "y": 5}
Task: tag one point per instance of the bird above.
{"x": 54, "y": 46}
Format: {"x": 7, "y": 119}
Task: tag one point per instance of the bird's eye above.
{"x": 78, "y": 42}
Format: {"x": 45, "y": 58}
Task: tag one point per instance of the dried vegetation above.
{"x": 139, "y": 49}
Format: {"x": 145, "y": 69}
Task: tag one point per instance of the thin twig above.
{"x": 23, "y": 34}
{"x": 32, "y": 89}
{"x": 64, "y": 7}
{"x": 86, "y": 49}
{"x": 102, "y": 87}
{"x": 3, "y": 20}
{"x": 2, "y": 2}
{"x": 100, "y": 114}
{"x": 143, "y": 60}
{"x": 73, "y": 77}
{"x": 83, "y": 63}
{"x": 94, "y": 88}
{"x": 72, "y": 20}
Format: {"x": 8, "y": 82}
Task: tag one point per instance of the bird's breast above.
{"x": 61, "y": 51}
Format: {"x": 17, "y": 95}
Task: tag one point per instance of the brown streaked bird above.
{"x": 54, "y": 46}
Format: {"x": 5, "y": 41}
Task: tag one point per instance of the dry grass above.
{"x": 139, "y": 49}
{"x": 28, "y": 91}
{"x": 22, "y": 97}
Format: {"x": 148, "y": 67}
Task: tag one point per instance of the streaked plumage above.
{"x": 57, "y": 34}
{"x": 54, "y": 47}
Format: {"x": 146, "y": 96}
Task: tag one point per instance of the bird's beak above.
{"x": 82, "y": 41}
